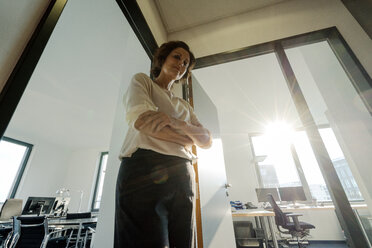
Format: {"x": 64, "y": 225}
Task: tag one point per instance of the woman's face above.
{"x": 176, "y": 63}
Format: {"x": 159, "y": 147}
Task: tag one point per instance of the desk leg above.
{"x": 263, "y": 225}
{"x": 272, "y": 230}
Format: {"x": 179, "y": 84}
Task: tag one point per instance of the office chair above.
{"x": 81, "y": 236}
{"x": 32, "y": 232}
{"x": 297, "y": 229}
{"x": 11, "y": 207}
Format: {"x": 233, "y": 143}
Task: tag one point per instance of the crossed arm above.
{"x": 160, "y": 125}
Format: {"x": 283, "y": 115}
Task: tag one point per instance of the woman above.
{"x": 155, "y": 185}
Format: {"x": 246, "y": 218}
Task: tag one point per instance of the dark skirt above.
{"x": 154, "y": 201}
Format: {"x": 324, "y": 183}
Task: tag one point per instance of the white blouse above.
{"x": 142, "y": 95}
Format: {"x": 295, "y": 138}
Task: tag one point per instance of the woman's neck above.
{"x": 164, "y": 82}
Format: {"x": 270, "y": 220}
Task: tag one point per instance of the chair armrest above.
{"x": 294, "y": 217}
{"x": 286, "y": 214}
{"x": 11, "y": 240}
{"x": 293, "y": 214}
{"x": 50, "y": 234}
{"x": 54, "y": 234}
{"x": 13, "y": 236}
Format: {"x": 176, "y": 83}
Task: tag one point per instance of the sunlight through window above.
{"x": 13, "y": 156}
{"x": 100, "y": 180}
{"x": 278, "y": 169}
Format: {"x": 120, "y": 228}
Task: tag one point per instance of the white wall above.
{"x": 81, "y": 173}
{"x": 51, "y": 167}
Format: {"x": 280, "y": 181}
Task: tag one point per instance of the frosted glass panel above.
{"x": 335, "y": 103}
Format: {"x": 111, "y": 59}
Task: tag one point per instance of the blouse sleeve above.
{"x": 193, "y": 118}
{"x": 137, "y": 99}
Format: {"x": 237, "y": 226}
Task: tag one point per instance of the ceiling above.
{"x": 178, "y": 15}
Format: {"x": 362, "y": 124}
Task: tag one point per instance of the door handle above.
{"x": 228, "y": 185}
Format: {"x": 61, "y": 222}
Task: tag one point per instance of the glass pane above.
{"x": 341, "y": 165}
{"x": 334, "y": 103}
{"x": 310, "y": 167}
{"x": 11, "y": 156}
{"x": 100, "y": 182}
{"x": 250, "y": 95}
{"x": 277, "y": 168}
{"x": 365, "y": 219}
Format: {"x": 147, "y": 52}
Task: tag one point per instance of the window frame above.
{"x": 98, "y": 177}
{"x": 298, "y": 166}
{"x": 22, "y": 166}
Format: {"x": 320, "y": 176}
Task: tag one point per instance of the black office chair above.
{"x": 297, "y": 229}
{"x": 30, "y": 232}
{"x": 81, "y": 236}
{"x": 33, "y": 232}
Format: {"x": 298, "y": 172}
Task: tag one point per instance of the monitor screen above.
{"x": 263, "y": 192}
{"x": 38, "y": 205}
{"x": 60, "y": 206}
{"x": 292, "y": 194}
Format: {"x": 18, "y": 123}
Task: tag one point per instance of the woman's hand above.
{"x": 159, "y": 125}
{"x": 177, "y": 124}
{"x": 152, "y": 121}
{"x": 199, "y": 135}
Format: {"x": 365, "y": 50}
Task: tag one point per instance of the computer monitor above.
{"x": 292, "y": 194}
{"x": 263, "y": 192}
{"x": 60, "y": 206}
{"x": 38, "y": 205}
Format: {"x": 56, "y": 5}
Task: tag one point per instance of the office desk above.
{"x": 252, "y": 213}
{"x": 261, "y": 214}
{"x": 67, "y": 222}
{"x": 59, "y": 222}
